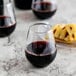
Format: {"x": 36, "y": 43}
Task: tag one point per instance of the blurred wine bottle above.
{"x": 23, "y": 4}
{"x": 1, "y": 7}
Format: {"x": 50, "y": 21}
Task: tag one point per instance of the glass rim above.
{"x": 41, "y": 24}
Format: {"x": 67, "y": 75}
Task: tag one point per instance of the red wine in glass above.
{"x": 40, "y": 54}
{"x": 6, "y": 26}
{"x": 44, "y": 10}
{"x": 39, "y": 51}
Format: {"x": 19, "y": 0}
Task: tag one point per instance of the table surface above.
{"x": 12, "y": 57}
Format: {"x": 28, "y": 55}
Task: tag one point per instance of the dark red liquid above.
{"x": 6, "y": 26}
{"x": 23, "y": 4}
{"x": 44, "y": 10}
{"x": 1, "y": 7}
{"x": 40, "y": 54}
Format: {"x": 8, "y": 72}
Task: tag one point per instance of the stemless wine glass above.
{"x": 40, "y": 51}
{"x": 44, "y": 9}
{"x": 7, "y": 19}
{"x": 8, "y": 56}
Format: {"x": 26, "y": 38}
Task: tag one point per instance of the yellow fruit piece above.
{"x": 63, "y": 33}
{"x": 74, "y": 36}
{"x": 56, "y": 30}
{"x": 69, "y": 39}
{"x": 46, "y": 37}
{"x": 71, "y": 28}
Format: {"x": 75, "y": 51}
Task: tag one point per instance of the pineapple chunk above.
{"x": 74, "y": 35}
{"x": 63, "y": 33}
{"x": 71, "y": 28}
{"x": 46, "y": 37}
{"x": 69, "y": 39}
{"x": 56, "y": 30}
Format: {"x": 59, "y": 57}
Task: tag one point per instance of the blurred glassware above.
{"x": 44, "y": 9}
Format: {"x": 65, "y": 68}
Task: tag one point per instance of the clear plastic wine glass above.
{"x": 8, "y": 57}
{"x": 44, "y": 9}
{"x": 39, "y": 50}
{"x": 7, "y": 20}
